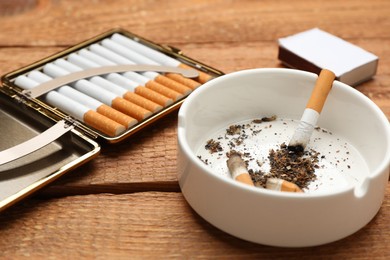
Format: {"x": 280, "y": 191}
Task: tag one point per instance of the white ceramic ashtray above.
{"x": 254, "y": 112}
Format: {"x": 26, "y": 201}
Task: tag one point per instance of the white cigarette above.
{"x": 82, "y": 85}
{"x": 25, "y": 83}
{"x": 146, "y": 51}
{"x": 86, "y": 59}
{"x": 133, "y": 57}
{"x": 101, "y": 60}
{"x": 88, "y": 101}
{"x": 131, "y": 78}
{"x": 186, "y": 84}
{"x": 127, "y": 52}
{"x": 140, "y": 80}
{"x": 116, "y": 84}
{"x": 99, "y": 81}
{"x": 152, "y": 54}
{"x": 84, "y": 114}
{"x": 118, "y": 59}
{"x": 150, "y": 83}
{"x": 101, "y": 94}
{"x": 73, "y": 108}
{"x": 98, "y": 106}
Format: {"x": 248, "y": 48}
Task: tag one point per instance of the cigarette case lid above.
{"x": 23, "y": 176}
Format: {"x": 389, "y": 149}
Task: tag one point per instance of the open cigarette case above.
{"x": 55, "y": 112}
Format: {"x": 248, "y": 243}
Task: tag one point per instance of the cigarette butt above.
{"x": 172, "y": 84}
{"x": 142, "y": 102}
{"x": 245, "y": 178}
{"x": 130, "y": 109}
{"x": 238, "y": 169}
{"x": 281, "y": 185}
{"x": 103, "y": 124}
{"x": 192, "y": 84}
{"x": 117, "y": 116}
{"x": 153, "y": 85}
{"x": 321, "y": 90}
{"x": 202, "y": 78}
{"x": 153, "y": 96}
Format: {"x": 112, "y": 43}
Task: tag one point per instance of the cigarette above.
{"x": 98, "y": 106}
{"x": 142, "y": 91}
{"x": 75, "y": 109}
{"x": 155, "y": 55}
{"x": 130, "y": 96}
{"x": 192, "y": 84}
{"x": 132, "y": 55}
{"x": 202, "y": 78}
{"x": 126, "y": 82}
{"x": 88, "y": 101}
{"x": 151, "y": 76}
{"x": 102, "y": 123}
{"x": 100, "y": 94}
{"x": 312, "y": 111}
{"x": 281, "y": 185}
{"x": 139, "y": 59}
{"x": 238, "y": 169}
{"x": 153, "y": 85}
{"x": 78, "y": 61}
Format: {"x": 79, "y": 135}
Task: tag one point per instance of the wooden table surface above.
{"x": 127, "y": 203}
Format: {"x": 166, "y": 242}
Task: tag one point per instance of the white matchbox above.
{"x": 315, "y": 49}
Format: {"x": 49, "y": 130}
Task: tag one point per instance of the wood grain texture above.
{"x": 153, "y": 225}
{"x": 127, "y": 203}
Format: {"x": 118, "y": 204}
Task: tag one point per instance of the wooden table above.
{"x": 127, "y": 202}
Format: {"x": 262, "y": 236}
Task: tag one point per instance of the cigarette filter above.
{"x": 281, "y": 185}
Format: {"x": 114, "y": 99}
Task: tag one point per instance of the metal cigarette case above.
{"x": 39, "y": 142}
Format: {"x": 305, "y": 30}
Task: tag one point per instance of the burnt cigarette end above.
{"x": 269, "y": 119}
{"x": 235, "y": 162}
{"x": 238, "y": 170}
{"x": 298, "y": 148}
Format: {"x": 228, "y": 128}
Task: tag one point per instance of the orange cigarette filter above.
{"x": 245, "y": 178}
{"x": 130, "y": 109}
{"x": 142, "y": 102}
{"x": 321, "y": 90}
{"x": 117, "y": 116}
{"x": 165, "y": 81}
{"x": 153, "y": 96}
{"x": 282, "y": 185}
{"x": 103, "y": 124}
{"x": 192, "y": 84}
{"x": 202, "y": 78}
{"x": 153, "y": 85}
